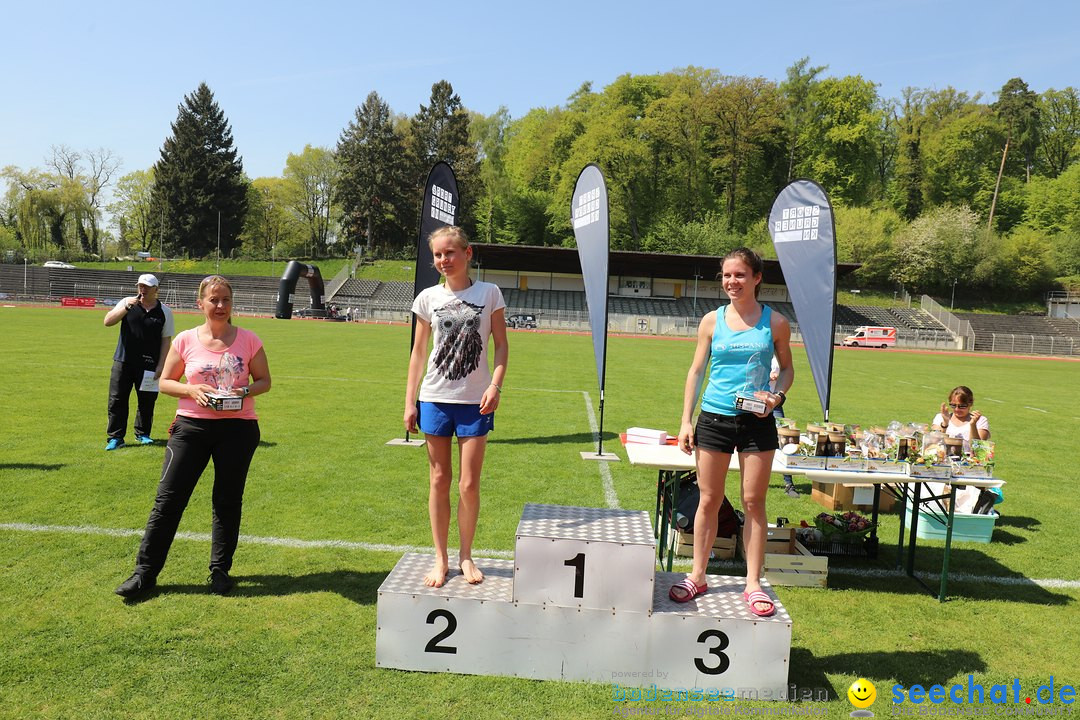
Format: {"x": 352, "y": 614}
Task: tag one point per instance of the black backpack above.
{"x": 689, "y": 497}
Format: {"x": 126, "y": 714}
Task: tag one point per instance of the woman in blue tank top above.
{"x": 737, "y": 343}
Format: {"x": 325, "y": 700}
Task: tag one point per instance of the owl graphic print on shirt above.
{"x": 460, "y": 346}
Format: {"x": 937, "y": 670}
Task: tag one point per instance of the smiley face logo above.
{"x": 862, "y": 693}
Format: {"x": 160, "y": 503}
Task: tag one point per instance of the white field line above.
{"x": 309, "y": 378}
{"x": 252, "y": 539}
{"x": 294, "y": 543}
{"x": 544, "y": 390}
{"x": 610, "y": 498}
{"x": 997, "y": 401}
{"x": 1028, "y": 407}
{"x": 1048, "y": 583}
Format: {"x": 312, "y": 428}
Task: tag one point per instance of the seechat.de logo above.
{"x": 862, "y": 695}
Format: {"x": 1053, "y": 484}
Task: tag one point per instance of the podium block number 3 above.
{"x": 433, "y": 645}
{"x": 578, "y": 563}
{"x": 717, "y": 650}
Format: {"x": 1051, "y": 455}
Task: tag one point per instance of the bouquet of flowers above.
{"x": 849, "y": 527}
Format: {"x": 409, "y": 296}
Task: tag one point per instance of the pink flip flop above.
{"x": 757, "y": 596}
{"x": 685, "y": 590}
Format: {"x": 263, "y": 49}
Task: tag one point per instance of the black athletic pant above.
{"x": 194, "y": 441}
{"x": 123, "y": 378}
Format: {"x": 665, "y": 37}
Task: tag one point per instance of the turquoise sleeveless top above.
{"x": 734, "y": 357}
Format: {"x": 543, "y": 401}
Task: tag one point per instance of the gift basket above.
{"x": 837, "y": 534}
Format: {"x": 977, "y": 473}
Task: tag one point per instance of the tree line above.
{"x": 933, "y": 189}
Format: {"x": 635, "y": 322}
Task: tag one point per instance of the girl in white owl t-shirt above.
{"x": 459, "y": 394}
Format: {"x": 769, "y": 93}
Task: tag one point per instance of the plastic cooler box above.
{"x": 966, "y": 526}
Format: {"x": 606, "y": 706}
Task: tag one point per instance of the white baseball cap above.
{"x": 148, "y": 280}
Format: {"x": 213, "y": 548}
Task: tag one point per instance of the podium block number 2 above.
{"x": 578, "y": 563}
{"x": 433, "y": 645}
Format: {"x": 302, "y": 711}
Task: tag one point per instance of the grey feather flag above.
{"x": 804, "y": 235}
{"x": 589, "y": 216}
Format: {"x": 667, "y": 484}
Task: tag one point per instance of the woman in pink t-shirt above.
{"x": 219, "y": 361}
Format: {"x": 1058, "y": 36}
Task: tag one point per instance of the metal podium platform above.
{"x": 581, "y": 602}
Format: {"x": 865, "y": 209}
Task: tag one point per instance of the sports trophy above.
{"x": 757, "y": 379}
{"x": 223, "y": 399}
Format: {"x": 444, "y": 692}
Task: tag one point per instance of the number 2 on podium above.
{"x": 451, "y": 625}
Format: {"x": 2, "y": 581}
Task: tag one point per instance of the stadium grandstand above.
{"x": 648, "y": 293}
{"x": 1035, "y": 335}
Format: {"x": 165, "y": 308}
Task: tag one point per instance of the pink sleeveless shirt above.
{"x": 201, "y": 367}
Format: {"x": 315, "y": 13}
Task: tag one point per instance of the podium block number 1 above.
{"x": 578, "y": 563}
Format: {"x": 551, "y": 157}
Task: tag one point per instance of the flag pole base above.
{"x": 604, "y": 457}
{"x": 411, "y": 442}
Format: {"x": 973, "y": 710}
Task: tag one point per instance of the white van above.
{"x": 867, "y": 336}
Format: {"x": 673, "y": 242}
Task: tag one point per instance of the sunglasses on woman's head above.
{"x": 959, "y": 406}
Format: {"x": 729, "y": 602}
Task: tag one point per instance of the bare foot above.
{"x": 470, "y": 571}
{"x": 437, "y": 576}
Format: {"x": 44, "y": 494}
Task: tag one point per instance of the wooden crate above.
{"x": 798, "y": 568}
{"x": 802, "y": 568}
{"x": 837, "y": 497}
{"x": 723, "y": 547}
{"x": 781, "y": 540}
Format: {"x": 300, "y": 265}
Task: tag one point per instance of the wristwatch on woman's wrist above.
{"x": 247, "y": 390}
{"x": 783, "y": 398}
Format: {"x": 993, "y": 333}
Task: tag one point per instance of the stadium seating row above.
{"x": 1024, "y": 333}
{"x": 255, "y": 294}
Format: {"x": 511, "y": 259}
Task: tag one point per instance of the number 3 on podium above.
{"x": 722, "y": 661}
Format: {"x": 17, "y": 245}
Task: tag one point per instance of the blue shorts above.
{"x": 449, "y": 419}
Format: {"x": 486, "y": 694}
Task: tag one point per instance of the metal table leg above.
{"x": 916, "y": 493}
{"x": 948, "y": 542}
{"x": 900, "y": 540}
{"x": 675, "y": 481}
{"x": 667, "y": 499}
{"x": 659, "y": 531}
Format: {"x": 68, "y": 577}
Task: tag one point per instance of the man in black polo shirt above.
{"x": 146, "y": 329}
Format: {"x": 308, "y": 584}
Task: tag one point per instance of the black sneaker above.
{"x": 220, "y": 582}
{"x": 791, "y": 491}
{"x": 135, "y": 586}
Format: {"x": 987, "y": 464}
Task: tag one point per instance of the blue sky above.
{"x": 111, "y": 74}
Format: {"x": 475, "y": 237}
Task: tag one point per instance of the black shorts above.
{"x": 743, "y": 432}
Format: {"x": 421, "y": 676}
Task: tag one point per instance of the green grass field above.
{"x": 297, "y": 637}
